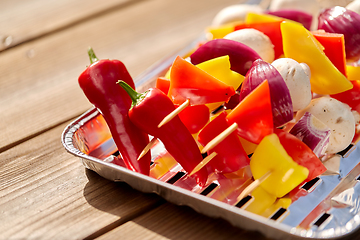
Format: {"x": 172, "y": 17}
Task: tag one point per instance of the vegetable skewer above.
{"x": 255, "y": 106}
{"x": 147, "y": 111}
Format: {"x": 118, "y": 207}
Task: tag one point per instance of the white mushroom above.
{"x": 306, "y": 69}
{"x": 337, "y": 116}
{"x": 354, "y": 6}
{"x": 235, "y": 13}
{"x": 256, "y": 40}
{"x": 297, "y": 79}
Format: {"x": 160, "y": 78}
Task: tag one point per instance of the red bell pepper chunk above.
{"x": 334, "y": 48}
{"x": 98, "y": 83}
{"x": 301, "y": 154}
{"x": 195, "y": 117}
{"x": 190, "y": 82}
{"x": 163, "y": 84}
{"x": 350, "y": 97}
{"x": 254, "y": 114}
{"x": 231, "y": 156}
{"x": 148, "y": 110}
{"x": 270, "y": 29}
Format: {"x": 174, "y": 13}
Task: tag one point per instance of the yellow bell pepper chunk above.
{"x": 195, "y": 136}
{"x": 249, "y": 147}
{"x": 162, "y": 165}
{"x": 280, "y": 203}
{"x": 220, "y": 68}
{"x": 261, "y": 201}
{"x": 222, "y": 31}
{"x": 261, "y": 17}
{"x": 285, "y": 174}
{"x": 167, "y": 74}
{"x": 300, "y": 45}
{"x": 353, "y": 72}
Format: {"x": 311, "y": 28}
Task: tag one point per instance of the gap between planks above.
{"x": 46, "y": 193}
{"x": 27, "y": 138}
{"x": 101, "y": 13}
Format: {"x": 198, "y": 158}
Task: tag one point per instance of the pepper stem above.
{"x": 135, "y": 96}
{"x": 92, "y": 56}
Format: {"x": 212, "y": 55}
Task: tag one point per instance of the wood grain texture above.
{"x": 23, "y": 20}
{"x": 46, "y": 193}
{"x": 178, "y": 222}
{"x": 41, "y": 76}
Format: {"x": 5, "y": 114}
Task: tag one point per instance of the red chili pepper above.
{"x": 98, "y": 82}
{"x": 148, "y": 110}
{"x": 231, "y": 156}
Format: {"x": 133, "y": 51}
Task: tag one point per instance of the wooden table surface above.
{"x": 45, "y": 192}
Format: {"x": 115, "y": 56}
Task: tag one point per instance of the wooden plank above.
{"x": 41, "y": 76}
{"x": 46, "y": 193}
{"x": 178, "y": 222}
{"x": 22, "y": 20}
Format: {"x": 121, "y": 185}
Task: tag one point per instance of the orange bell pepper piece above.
{"x": 254, "y": 115}
{"x": 190, "y": 82}
{"x": 163, "y": 84}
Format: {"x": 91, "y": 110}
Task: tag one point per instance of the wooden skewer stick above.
{"x": 174, "y": 113}
{"x": 203, "y": 163}
{"x": 220, "y": 137}
{"x": 253, "y": 185}
{"x": 147, "y": 148}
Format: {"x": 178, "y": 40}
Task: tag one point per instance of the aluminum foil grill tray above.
{"x": 327, "y": 207}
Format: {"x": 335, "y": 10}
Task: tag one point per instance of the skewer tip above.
{"x": 203, "y": 163}
{"x": 147, "y": 148}
{"x": 219, "y": 138}
{"x": 253, "y": 185}
{"x": 174, "y": 113}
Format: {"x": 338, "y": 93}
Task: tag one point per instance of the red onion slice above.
{"x": 346, "y": 22}
{"x": 282, "y": 108}
{"x": 241, "y": 56}
{"x": 313, "y": 133}
{"x": 293, "y": 14}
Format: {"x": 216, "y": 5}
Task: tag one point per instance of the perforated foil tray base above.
{"x": 327, "y": 207}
